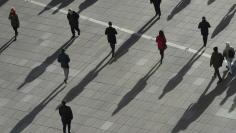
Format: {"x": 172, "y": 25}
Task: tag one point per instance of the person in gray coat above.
{"x": 15, "y": 23}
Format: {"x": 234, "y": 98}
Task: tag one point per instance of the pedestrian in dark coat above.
{"x": 66, "y": 116}
{"x": 161, "y": 43}
{"x": 73, "y": 19}
{"x": 204, "y": 26}
{"x": 15, "y": 23}
{"x": 157, "y": 4}
{"x": 216, "y": 60}
{"x": 111, "y": 37}
{"x": 64, "y": 59}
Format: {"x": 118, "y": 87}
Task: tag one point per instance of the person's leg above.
{"x": 69, "y": 125}
{"x": 66, "y": 73}
{"x": 204, "y": 40}
{"x": 162, "y": 55}
{"x": 218, "y": 74}
{"x": 78, "y": 30}
{"x": 16, "y": 32}
{"x": 64, "y": 127}
{"x": 112, "y": 49}
{"x": 72, "y": 31}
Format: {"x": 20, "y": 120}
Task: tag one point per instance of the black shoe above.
{"x": 65, "y": 81}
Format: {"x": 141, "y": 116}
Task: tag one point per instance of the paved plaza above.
{"x": 132, "y": 93}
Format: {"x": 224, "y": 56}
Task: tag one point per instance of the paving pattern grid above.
{"x": 133, "y": 94}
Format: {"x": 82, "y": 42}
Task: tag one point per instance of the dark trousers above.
{"x": 66, "y": 73}
{"x": 204, "y": 37}
{"x": 66, "y": 124}
{"x": 73, "y": 28}
{"x": 162, "y": 54}
{"x": 157, "y": 9}
{"x": 16, "y": 32}
{"x": 217, "y": 72}
{"x": 112, "y": 49}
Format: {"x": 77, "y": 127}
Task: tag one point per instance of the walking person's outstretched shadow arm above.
{"x": 179, "y": 7}
{"x": 86, "y": 4}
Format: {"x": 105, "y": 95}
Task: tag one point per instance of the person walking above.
{"x": 217, "y": 61}
{"x": 161, "y": 43}
{"x": 73, "y": 19}
{"x": 66, "y": 116}
{"x": 229, "y": 56}
{"x": 111, "y": 37}
{"x": 156, "y": 4}
{"x": 204, "y": 27}
{"x": 15, "y": 23}
{"x": 64, "y": 59}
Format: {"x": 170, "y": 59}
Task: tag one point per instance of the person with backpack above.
{"x": 66, "y": 116}
{"x": 64, "y": 59}
{"x": 217, "y": 61}
{"x": 15, "y": 23}
{"x": 73, "y": 19}
{"x": 161, "y": 43}
{"x": 229, "y": 56}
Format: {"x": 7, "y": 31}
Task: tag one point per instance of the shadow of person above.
{"x": 210, "y": 2}
{"x": 233, "y": 106}
{"x": 173, "y": 82}
{"x": 25, "y": 122}
{"x": 2, "y": 2}
{"x": 39, "y": 70}
{"x": 225, "y": 21}
{"x": 86, "y": 4}
{"x": 124, "y": 48}
{"x": 76, "y": 90}
{"x": 179, "y": 7}
{"x": 54, "y": 3}
{"x": 139, "y": 86}
{"x": 6, "y": 45}
{"x": 195, "y": 110}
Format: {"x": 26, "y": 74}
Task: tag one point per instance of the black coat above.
{"x": 216, "y": 59}
{"x": 204, "y": 25}
{"x": 156, "y": 2}
{"x": 14, "y": 20}
{"x": 111, "y": 35}
{"x": 64, "y": 60}
{"x": 73, "y": 19}
{"x": 65, "y": 113}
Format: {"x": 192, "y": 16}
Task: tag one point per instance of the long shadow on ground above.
{"x": 76, "y": 90}
{"x": 25, "y": 122}
{"x": 210, "y": 2}
{"x": 54, "y": 3}
{"x": 140, "y": 85}
{"x": 179, "y": 7}
{"x": 2, "y": 2}
{"x": 86, "y": 4}
{"x": 195, "y": 110}
{"x": 225, "y": 21}
{"x": 124, "y": 48}
{"x": 39, "y": 70}
{"x": 7, "y": 44}
{"x": 173, "y": 82}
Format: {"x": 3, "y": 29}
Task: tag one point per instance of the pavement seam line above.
{"x": 121, "y": 29}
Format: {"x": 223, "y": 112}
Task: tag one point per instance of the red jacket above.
{"x": 161, "y": 42}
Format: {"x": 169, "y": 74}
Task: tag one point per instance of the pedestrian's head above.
{"x": 227, "y": 44}
{"x": 69, "y": 11}
{"x": 110, "y": 23}
{"x": 215, "y": 49}
{"x": 161, "y": 33}
{"x": 63, "y": 103}
{"x": 13, "y": 11}
{"x": 203, "y": 18}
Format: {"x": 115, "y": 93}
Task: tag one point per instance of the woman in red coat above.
{"x": 161, "y": 43}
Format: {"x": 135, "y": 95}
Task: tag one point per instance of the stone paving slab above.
{"x": 132, "y": 94}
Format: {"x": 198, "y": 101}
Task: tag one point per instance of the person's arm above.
{"x": 150, "y": 1}
{"x": 115, "y": 31}
{"x": 106, "y": 31}
{"x": 59, "y": 58}
{"x": 208, "y": 25}
{"x": 68, "y": 58}
{"x": 60, "y": 112}
{"x": 211, "y": 61}
{"x": 71, "y": 113}
{"x": 199, "y": 25}
{"x": 18, "y": 22}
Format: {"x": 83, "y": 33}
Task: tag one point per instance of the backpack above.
{"x": 231, "y": 53}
